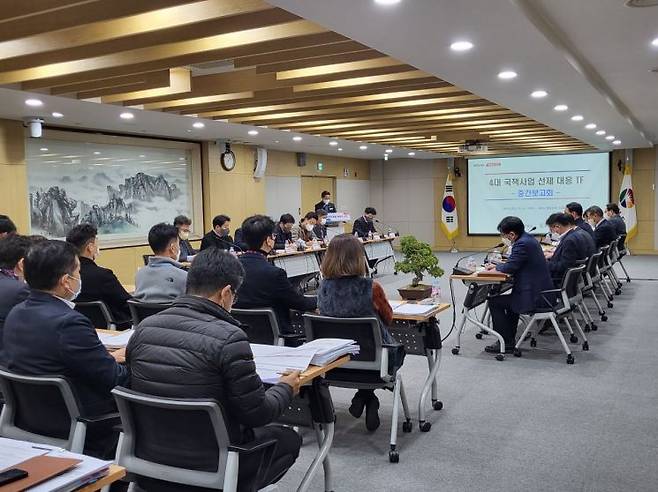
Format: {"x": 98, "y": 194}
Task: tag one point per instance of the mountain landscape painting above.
{"x": 122, "y": 190}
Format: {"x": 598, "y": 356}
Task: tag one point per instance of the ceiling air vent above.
{"x": 641, "y": 3}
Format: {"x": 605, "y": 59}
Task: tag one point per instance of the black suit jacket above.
{"x": 320, "y": 231}
{"x": 580, "y": 222}
{"x": 330, "y": 208}
{"x": 44, "y": 336}
{"x": 266, "y": 285}
{"x": 604, "y": 233}
{"x": 282, "y": 237}
{"x": 211, "y": 240}
{"x": 528, "y": 266}
{"x": 574, "y": 245}
{"x": 362, "y": 227}
{"x": 12, "y": 291}
{"x": 100, "y": 284}
{"x": 186, "y": 249}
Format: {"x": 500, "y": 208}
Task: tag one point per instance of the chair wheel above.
{"x": 533, "y": 342}
{"x": 478, "y": 336}
{"x": 517, "y": 352}
{"x": 610, "y": 305}
{"x": 587, "y": 328}
{"x": 424, "y": 426}
{"x": 406, "y": 426}
{"x": 437, "y": 405}
{"x": 393, "y": 457}
{"x": 573, "y": 339}
{"x": 618, "y": 292}
{"x": 604, "y": 318}
{"x": 594, "y": 327}
{"x": 455, "y": 351}
{"x": 570, "y": 359}
{"x": 628, "y": 280}
{"x": 500, "y": 356}
{"x": 585, "y": 346}
{"x": 395, "y": 273}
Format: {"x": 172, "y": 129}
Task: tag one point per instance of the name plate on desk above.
{"x": 336, "y": 217}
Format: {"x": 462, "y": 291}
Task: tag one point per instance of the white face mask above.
{"x": 184, "y": 235}
{"x": 309, "y": 227}
{"x": 323, "y": 221}
{"x": 325, "y": 200}
{"x": 507, "y": 242}
{"x": 592, "y": 223}
{"x": 76, "y": 293}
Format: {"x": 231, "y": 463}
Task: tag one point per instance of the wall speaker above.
{"x": 301, "y": 159}
{"x": 260, "y": 162}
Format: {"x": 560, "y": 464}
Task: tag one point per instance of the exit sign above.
{"x": 320, "y": 166}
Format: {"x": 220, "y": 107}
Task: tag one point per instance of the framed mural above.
{"x": 121, "y": 185}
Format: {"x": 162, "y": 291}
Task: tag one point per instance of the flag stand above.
{"x": 454, "y": 248}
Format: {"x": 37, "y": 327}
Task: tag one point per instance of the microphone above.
{"x": 457, "y": 270}
{"x": 533, "y": 228}
{"x": 397, "y": 232}
{"x": 231, "y": 243}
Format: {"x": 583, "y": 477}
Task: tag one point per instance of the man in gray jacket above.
{"x": 196, "y": 349}
{"x": 163, "y": 279}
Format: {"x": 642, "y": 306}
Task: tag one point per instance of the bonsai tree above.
{"x": 418, "y": 259}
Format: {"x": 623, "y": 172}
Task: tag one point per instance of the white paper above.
{"x": 273, "y": 359}
{"x": 13, "y": 452}
{"x": 116, "y": 341}
{"x": 394, "y": 303}
{"x": 414, "y": 308}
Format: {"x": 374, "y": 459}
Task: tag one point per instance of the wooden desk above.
{"x": 420, "y": 335}
{"x": 114, "y": 474}
{"x": 316, "y": 371}
{"x": 298, "y": 263}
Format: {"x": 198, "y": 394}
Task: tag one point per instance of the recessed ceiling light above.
{"x": 388, "y": 151}
{"x": 363, "y": 147}
{"x": 561, "y": 107}
{"x": 97, "y": 153}
{"x": 538, "y": 94}
{"x": 387, "y": 2}
{"x": 577, "y": 117}
{"x": 507, "y": 74}
{"x": 340, "y": 149}
{"x": 600, "y": 132}
{"x": 126, "y": 116}
{"x": 142, "y": 156}
{"x": 654, "y": 42}
{"x": 253, "y": 132}
{"x": 590, "y": 126}
{"x": 44, "y": 149}
{"x": 297, "y": 138}
{"x": 276, "y": 141}
{"x": 35, "y": 103}
{"x": 411, "y": 154}
{"x": 198, "y": 124}
{"x": 616, "y": 142}
{"x": 57, "y": 115}
{"x": 461, "y": 46}
{"x": 333, "y": 143}
{"x": 181, "y": 158}
{"x": 610, "y": 137}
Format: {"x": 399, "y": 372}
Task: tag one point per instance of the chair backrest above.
{"x": 593, "y": 267}
{"x": 40, "y": 409}
{"x": 97, "y": 312}
{"x": 604, "y": 254}
{"x": 365, "y": 331}
{"x": 570, "y": 288}
{"x": 621, "y": 243}
{"x": 145, "y": 258}
{"x": 180, "y": 441}
{"x": 260, "y": 325}
{"x": 140, "y": 310}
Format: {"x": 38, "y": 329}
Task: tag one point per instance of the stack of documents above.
{"x": 402, "y": 307}
{"x": 120, "y": 340}
{"x": 329, "y": 349}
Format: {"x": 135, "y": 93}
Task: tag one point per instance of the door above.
{"x": 312, "y": 188}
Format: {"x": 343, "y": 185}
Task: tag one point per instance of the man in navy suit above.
{"x": 575, "y": 209}
{"x": 44, "y": 335}
{"x": 265, "y": 285}
{"x": 575, "y": 245}
{"x": 604, "y": 230}
{"x": 527, "y": 265}
{"x": 364, "y": 225}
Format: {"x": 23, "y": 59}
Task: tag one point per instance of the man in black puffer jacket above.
{"x": 195, "y": 349}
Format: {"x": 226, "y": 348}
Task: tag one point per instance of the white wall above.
{"x": 352, "y": 195}
{"x": 403, "y": 190}
{"x": 283, "y": 195}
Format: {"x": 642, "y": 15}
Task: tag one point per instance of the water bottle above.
{"x": 369, "y": 235}
{"x": 436, "y": 291}
{"x": 390, "y": 233}
{"x": 232, "y": 251}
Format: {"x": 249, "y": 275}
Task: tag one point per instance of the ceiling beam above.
{"x": 340, "y": 47}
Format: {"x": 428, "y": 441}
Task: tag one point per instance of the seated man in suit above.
{"x": 220, "y": 236}
{"x": 530, "y": 276}
{"x": 283, "y": 231}
{"x": 575, "y": 209}
{"x": 266, "y": 285}
{"x": 163, "y": 279}
{"x": 183, "y": 224}
{"x": 364, "y": 225}
{"x": 98, "y": 283}
{"x": 575, "y": 245}
{"x": 320, "y": 229}
{"x": 325, "y": 203}
{"x": 612, "y": 213}
{"x": 7, "y": 226}
{"x": 604, "y": 231}
{"x": 13, "y": 288}
{"x": 44, "y": 335}
{"x": 198, "y": 340}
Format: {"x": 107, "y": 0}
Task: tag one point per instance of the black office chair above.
{"x": 592, "y": 279}
{"x": 369, "y": 369}
{"x": 141, "y": 310}
{"x": 98, "y": 313}
{"x": 145, "y": 258}
{"x": 261, "y": 326}
{"x": 44, "y": 409}
{"x": 182, "y": 441}
{"x": 623, "y": 251}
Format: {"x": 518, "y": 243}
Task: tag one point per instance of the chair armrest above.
{"x": 248, "y": 449}
{"x": 95, "y": 419}
{"x": 292, "y": 336}
{"x": 550, "y": 290}
{"x": 264, "y": 452}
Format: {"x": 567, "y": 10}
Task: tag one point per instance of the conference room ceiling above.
{"x": 246, "y": 62}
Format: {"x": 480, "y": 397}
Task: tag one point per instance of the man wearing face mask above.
{"x": 44, "y": 335}
{"x": 604, "y": 231}
{"x": 266, "y": 285}
{"x": 575, "y": 245}
{"x": 98, "y": 283}
{"x": 528, "y": 267}
{"x": 365, "y": 225}
{"x": 219, "y": 237}
{"x": 325, "y": 204}
{"x": 183, "y": 224}
{"x": 163, "y": 279}
{"x": 320, "y": 229}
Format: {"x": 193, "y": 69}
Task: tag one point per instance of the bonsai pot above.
{"x": 411, "y": 293}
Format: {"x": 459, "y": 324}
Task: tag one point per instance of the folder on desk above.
{"x": 39, "y": 469}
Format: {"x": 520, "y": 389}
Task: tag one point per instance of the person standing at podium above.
{"x": 528, "y": 267}
{"x": 325, "y": 203}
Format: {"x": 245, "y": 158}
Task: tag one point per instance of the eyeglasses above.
{"x": 235, "y": 297}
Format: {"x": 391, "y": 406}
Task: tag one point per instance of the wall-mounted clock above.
{"x": 228, "y": 160}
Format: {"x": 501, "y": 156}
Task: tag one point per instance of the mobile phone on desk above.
{"x": 11, "y": 475}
